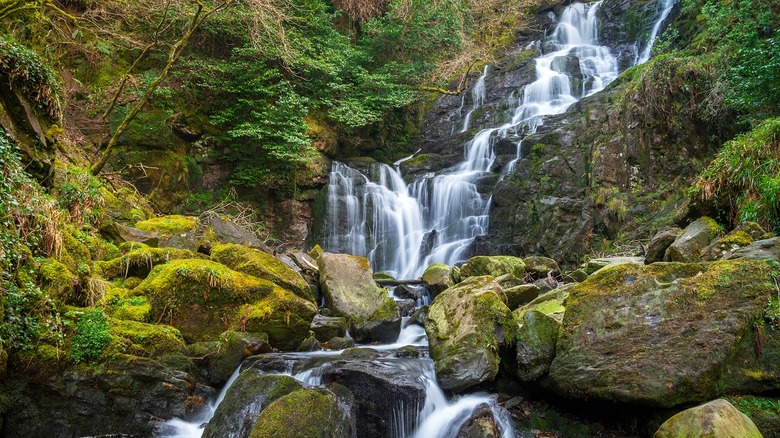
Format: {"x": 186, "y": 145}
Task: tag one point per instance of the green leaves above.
{"x": 91, "y": 335}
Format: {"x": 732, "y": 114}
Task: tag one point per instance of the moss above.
{"x": 303, "y": 413}
{"x": 285, "y": 317}
{"x": 262, "y": 265}
{"x": 147, "y": 340}
{"x": 100, "y": 249}
{"x": 139, "y": 262}
{"x": 58, "y": 281}
{"x": 418, "y": 161}
{"x": 168, "y": 225}
{"x": 494, "y": 266}
{"x": 200, "y": 297}
{"x": 739, "y": 238}
{"x": 131, "y": 309}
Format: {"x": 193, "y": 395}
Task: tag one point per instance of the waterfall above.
{"x": 665, "y": 10}
{"x": 435, "y": 219}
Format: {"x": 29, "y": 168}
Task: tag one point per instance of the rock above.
{"x": 519, "y": 295}
{"x": 695, "y": 237}
{"x": 576, "y": 276}
{"x": 536, "y": 345}
{"x": 220, "y": 229}
{"x": 119, "y": 233}
{"x": 173, "y": 231}
{"x": 508, "y": 280}
{"x": 466, "y": 326}
{"x": 250, "y": 394}
{"x": 716, "y": 419}
{"x": 593, "y": 265}
{"x": 721, "y": 246}
{"x": 203, "y": 298}
{"x": 406, "y": 307}
{"x": 383, "y": 394}
{"x": 351, "y": 292}
{"x": 361, "y": 353}
{"x": 339, "y": 343}
{"x": 309, "y": 344}
{"x": 58, "y": 282}
{"x": 540, "y": 267}
{"x": 409, "y": 291}
{"x": 216, "y": 360}
{"x": 304, "y": 413}
{"x": 408, "y": 351}
{"x": 549, "y": 303}
{"x": 667, "y": 334}
{"x": 494, "y": 266}
{"x": 328, "y": 327}
{"x": 480, "y": 424}
{"x": 762, "y": 411}
{"x": 438, "y": 278}
{"x": 138, "y": 262}
{"x": 760, "y": 249}
{"x": 261, "y": 265}
{"x": 660, "y": 243}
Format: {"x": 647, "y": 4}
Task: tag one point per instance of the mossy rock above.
{"x": 467, "y": 325}
{"x": 716, "y": 419}
{"x": 262, "y": 265}
{"x": 147, "y": 340}
{"x": 536, "y": 345}
{"x": 139, "y": 262}
{"x": 659, "y": 243}
{"x": 217, "y": 360}
{"x": 328, "y": 327}
{"x": 494, "y": 266}
{"x": 303, "y": 413}
{"x": 285, "y": 317}
{"x": 551, "y": 303}
{"x": 668, "y": 333}
{"x": 763, "y": 411}
{"x": 541, "y": 267}
{"x": 351, "y": 292}
{"x": 726, "y": 245}
{"x": 58, "y": 282}
{"x": 135, "y": 308}
{"x": 694, "y": 239}
{"x": 75, "y": 255}
{"x": 438, "y": 277}
{"x": 168, "y": 226}
{"x": 202, "y": 298}
{"x": 522, "y": 294}
{"x": 252, "y": 392}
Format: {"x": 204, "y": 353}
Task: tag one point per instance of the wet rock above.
{"x": 407, "y": 307}
{"x": 480, "y": 424}
{"x": 409, "y": 291}
{"x": 309, "y": 344}
{"x": 306, "y": 412}
{"x": 328, "y": 327}
{"x": 540, "y": 267}
{"x": 438, "y": 278}
{"x": 549, "y": 303}
{"x": 381, "y": 392}
{"x": 360, "y": 353}
{"x": 466, "y": 326}
{"x": 494, "y": 266}
{"x": 408, "y": 351}
{"x": 660, "y": 243}
{"x": 351, "y": 292}
{"x": 508, "y": 280}
{"x": 519, "y": 295}
{"x": 536, "y": 345}
{"x": 339, "y": 343}
{"x": 261, "y": 265}
{"x": 119, "y": 233}
{"x": 760, "y": 249}
{"x": 576, "y": 276}
{"x": 717, "y": 419}
{"x": 667, "y": 334}
{"x": 249, "y": 395}
{"x": 695, "y": 237}
{"x": 216, "y": 360}
{"x": 418, "y": 317}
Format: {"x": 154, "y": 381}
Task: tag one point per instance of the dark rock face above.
{"x": 122, "y": 396}
{"x": 382, "y": 393}
{"x": 480, "y": 424}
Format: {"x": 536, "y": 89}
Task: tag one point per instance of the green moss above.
{"x": 494, "y": 266}
{"x": 303, "y": 413}
{"x": 262, "y": 265}
{"x": 147, "y": 340}
{"x": 418, "y": 161}
{"x": 168, "y": 225}
{"x": 58, "y": 281}
{"x": 285, "y": 317}
{"x": 139, "y": 262}
{"x": 739, "y": 238}
{"x": 131, "y": 309}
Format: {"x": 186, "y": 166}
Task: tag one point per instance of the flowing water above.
{"x": 403, "y": 228}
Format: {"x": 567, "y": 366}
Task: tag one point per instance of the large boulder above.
{"x": 261, "y": 265}
{"x": 385, "y": 390}
{"x": 304, "y": 413}
{"x": 741, "y": 236}
{"x": 466, "y": 326}
{"x": 660, "y": 243}
{"x": 668, "y": 333}
{"x": 252, "y": 392}
{"x": 140, "y": 259}
{"x": 203, "y": 298}
{"x": 494, "y": 266}
{"x": 216, "y": 360}
{"x": 694, "y": 239}
{"x": 349, "y": 288}
{"x": 328, "y": 327}
{"x": 540, "y": 267}
{"x": 716, "y": 419}
{"x": 536, "y": 345}
{"x": 760, "y": 249}
{"x": 438, "y": 277}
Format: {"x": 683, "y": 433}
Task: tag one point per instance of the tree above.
{"x": 201, "y": 14}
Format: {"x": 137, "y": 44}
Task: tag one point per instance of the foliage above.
{"x": 28, "y": 316}
{"x": 82, "y": 196}
{"x": 27, "y": 71}
{"x": 745, "y": 176}
{"x": 91, "y": 335}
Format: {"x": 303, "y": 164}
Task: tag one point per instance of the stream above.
{"x": 404, "y": 227}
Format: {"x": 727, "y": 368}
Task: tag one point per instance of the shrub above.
{"x": 91, "y": 335}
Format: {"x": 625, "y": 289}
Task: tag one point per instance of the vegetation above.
{"x": 91, "y": 335}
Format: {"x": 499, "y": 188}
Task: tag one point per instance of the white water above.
{"x": 178, "y": 428}
{"x": 405, "y": 228}
{"x": 665, "y": 11}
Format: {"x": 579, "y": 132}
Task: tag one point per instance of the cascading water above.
{"x": 665, "y": 10}
{"x": 404, "y": 229}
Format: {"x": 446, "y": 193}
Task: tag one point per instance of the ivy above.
{"x": 27, "y": 71}
{"x": 91, "y": 335}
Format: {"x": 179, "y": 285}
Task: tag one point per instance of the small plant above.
{"x": 91, "y": 335}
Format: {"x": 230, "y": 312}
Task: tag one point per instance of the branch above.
{"x": 461, "y": 84}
